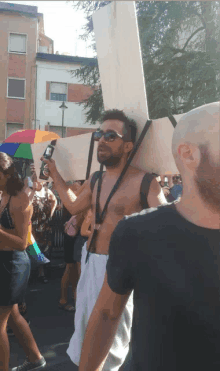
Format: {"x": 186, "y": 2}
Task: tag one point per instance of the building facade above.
{"x": 34, "y": 80}
{"x": 21, "y": 32}
{"x": 56, "y": 84}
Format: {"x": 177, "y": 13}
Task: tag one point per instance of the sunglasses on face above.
{"x": 109, "y": 136}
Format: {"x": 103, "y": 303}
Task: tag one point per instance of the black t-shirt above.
{"x": 174, "y": 268}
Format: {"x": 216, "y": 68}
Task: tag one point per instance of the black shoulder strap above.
{"x": 89, "y": 164}
{"x": 7, "y": 205}
{"x": 172, "y": 120}
{"x": 147, "y": 179}
{"x": 165, "y": 113}
{"x": 144, "y": 190}
{"x": 94, "y": 178}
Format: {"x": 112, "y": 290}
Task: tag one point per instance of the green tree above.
{"x": 180, "y": 44}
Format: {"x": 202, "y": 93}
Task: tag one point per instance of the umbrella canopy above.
{"x": 19, "y": 144}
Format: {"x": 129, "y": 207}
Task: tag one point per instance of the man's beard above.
{"x": 208, "y": 180}
{"x": 109, "y": 159}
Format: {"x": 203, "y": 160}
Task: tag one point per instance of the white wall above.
{"x": 49, "y": 111}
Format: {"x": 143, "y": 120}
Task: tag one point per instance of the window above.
{"x": 43, "y": 49}
{"x": 58, "y": 91}
{"x": 12, "y": 128}
{"x": 16, "y": 88}
{"x": 17, "y": 43}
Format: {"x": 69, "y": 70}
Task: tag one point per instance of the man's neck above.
{"x": 193, "y": 208}
{"x": 114, "y": 172}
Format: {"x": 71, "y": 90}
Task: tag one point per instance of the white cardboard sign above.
{"x": 71, "y": 156}
{"x": 123, "y": 86}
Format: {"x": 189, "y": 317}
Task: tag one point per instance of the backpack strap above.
{"x": 144, "y": 190}
{"x": 172, "y": 120}
{"x": 94, "y": 178}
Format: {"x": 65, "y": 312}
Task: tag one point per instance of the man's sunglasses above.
{"x": 109, "y": 136}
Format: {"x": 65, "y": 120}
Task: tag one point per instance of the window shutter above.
{"x": 17, "y": 43}
{"x": 58, "y": 88}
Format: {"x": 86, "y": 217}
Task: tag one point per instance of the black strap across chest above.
{"x": 100, "y": 217}
{"x": 147, "y": 180}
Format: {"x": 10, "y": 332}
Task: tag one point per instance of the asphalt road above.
{"x": 52, "y": 328}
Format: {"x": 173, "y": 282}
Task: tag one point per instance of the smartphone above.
{"x": 166, "y": 184}
{"x": 30, "y": 183}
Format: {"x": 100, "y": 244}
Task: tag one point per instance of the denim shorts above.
{"x": 14, "y": 275}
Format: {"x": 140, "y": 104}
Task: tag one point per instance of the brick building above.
{"x": 21, "y": 32}
{"x": 34, "y": 80}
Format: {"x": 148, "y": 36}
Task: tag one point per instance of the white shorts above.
{"x": 88, "y": 288}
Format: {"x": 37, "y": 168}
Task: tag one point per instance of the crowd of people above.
{"x": 144, "y": 273}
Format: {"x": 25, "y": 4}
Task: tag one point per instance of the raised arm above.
{"x": 73, "y": 204}
{"x": 53, "y": 201}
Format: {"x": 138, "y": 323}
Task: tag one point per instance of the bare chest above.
{"x": 124, "y": 201}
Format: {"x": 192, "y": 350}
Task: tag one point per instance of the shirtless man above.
{"x": 175, "y": 272}
{"x": 114, "y": 146}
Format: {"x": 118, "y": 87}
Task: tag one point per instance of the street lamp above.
{"x": 63, "y": 107}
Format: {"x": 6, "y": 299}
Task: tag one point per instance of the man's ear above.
{"x": 128, "y": 146}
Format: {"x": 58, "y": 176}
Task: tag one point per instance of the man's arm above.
{"x": 73, "y": 204}
{"x": 101, "y": 329}
{"x": 84, "y": 231}
{"x": 156, "y": 196}
{"x": 53, "y": 201}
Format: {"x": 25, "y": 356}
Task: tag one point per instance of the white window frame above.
{"x": 13, "y": 123}
{"x": 17, "y": 33}
{"x": 16, "y": 78}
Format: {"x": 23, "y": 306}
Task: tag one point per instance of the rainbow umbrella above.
{"x": 19, "y": 144}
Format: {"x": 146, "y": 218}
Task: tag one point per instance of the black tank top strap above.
{"x": 6, "y": 219}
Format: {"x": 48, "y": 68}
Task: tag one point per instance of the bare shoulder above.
{"x": 87, "y": 183}
{"x": 134, "y": 172}
{"x": 20, "y": 201}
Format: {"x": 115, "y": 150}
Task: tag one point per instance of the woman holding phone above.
{"x": 15, "y": 216}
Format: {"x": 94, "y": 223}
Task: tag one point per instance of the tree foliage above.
{"x": 180, "y": 44}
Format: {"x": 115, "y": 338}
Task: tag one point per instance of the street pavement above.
{"x": 52, "y": 327}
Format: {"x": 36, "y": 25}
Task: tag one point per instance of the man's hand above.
{"x": 50, "y": 168}
{"x": 166, "y": 191}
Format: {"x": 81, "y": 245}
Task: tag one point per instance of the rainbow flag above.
{"x": 36, "y": 256}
